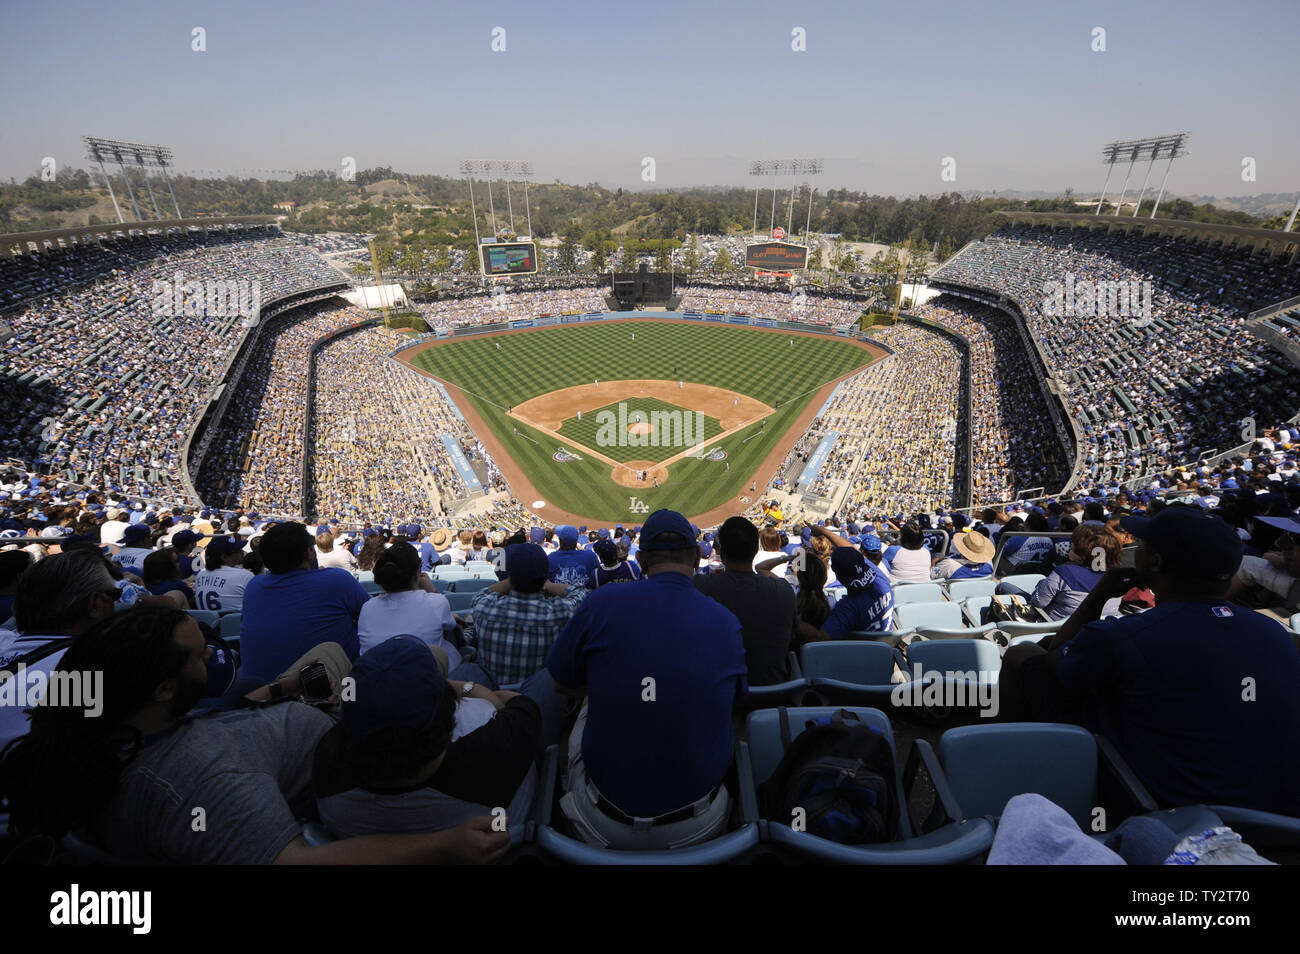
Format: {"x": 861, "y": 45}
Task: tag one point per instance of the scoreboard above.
{"x": 782, "y": 256}
{"x": 508, "y": 258}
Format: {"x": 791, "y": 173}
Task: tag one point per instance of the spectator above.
{"x": 662, "y": 666}
{"x": 518, "y": 619}
{"x": 296, "y": 605}
{"x": 409, "y": 605}
{"x": 328, "y": 555}
{"x": 398, "y": 763}
{"x": 614, "y": 568}
{"x": 245, "y": 769}
{"x": 973, "y": 560}
{"x": 162, "y": 574}
{"x": 868, "y": 603}
{"x": 569, "y": 565}
{"x": 221, "y": 585}
{"x": 765, "y": 605}
{"x": 910, "y": 560}
{"x": 1166, "y": 686}
{"x": 1060, "y": 594}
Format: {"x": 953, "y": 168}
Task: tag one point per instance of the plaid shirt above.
{"x": 516, "y": 631}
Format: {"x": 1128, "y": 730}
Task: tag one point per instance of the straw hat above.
{"x": 974, "y": 546}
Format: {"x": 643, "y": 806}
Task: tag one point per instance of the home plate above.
{"x": 539, "y": 504}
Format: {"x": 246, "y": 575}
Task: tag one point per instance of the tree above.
{"x": 627, "y": 263}
{"x": 723, "y": 262}
{"x": 567, "y": 260}
{"x": 692, "y": 257}
{"x": 472, "y": 260}
{"x": 945, "y": 249}
{"x": 815, "y": 261}
{"x": 662, "y": 261}
{"x": 441, "y": 259}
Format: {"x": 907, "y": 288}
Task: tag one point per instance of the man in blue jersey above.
{"x": 661, "y": 665}
{"x": 569, "y": 565}
{"x": 1198, "y": 694}
{"x": 868, "y": 603}
{"x": 612, "y": 568}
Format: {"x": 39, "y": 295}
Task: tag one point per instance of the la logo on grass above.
{"x": 637, "y": 505}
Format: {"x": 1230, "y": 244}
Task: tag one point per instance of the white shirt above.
{"x": 338, "y": 557}
{"x": 131, "y": 559}
{"x": 415, "y": 612}
{"x": 763, "y": 556}
{"x": 910, "y": 565}
{"x": 222, "y": 589}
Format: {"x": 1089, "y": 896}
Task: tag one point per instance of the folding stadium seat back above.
{"x": 987, "y": 765}
{"x": 371, "y": 587}
{"x": 229, "y": 627}
{"x": 472, "y": 585}
{"x": 959, "y": 590}
{"x": 209, "y": 618}
{"x": 1026, "y": 581}
{"x": 859, "y": 662}
{"x": 934, "y": 615}
{"x": 956, "y": 656}
{"x": 365, "y": 576}
{"x": 972, "y": 606}
{"x": 460, "y": 602}
{"x": 918, "y": 593}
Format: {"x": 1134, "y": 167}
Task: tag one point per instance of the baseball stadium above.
{"x": 479, "y": 516}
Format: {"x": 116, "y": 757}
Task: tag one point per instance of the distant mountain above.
{"x": 1264, "y": 205}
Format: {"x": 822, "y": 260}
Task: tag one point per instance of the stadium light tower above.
{"x": 146, "y": 156}
{"x": 507, "y": 169}
{"x": 783, "y": 167}
{"x": 1133, "y": 151}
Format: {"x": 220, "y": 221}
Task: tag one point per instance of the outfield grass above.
{"x": 759, "y": 363}
{"x": 585, "y": 432}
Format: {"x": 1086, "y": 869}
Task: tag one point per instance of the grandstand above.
{"x": 988, "y": 418}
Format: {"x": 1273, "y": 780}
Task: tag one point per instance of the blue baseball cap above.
{"x": 137, "y": 531}
{"x": 1190, "y": 541}
{"x": 567, "y": 534}
{"x": 666, "y": 521}
{"x": 528, "y": 566}
{"x": 606, "y": 550}
{"x": 871, "y": 543}
{"x": 396, "y": 684}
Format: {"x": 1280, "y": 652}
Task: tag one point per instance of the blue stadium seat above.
{"x": 918, "y": 593}
{"x": 985, "y": 766}
{"x": 959, "y": 590}
{"x": 955, "y": 843}
{"x": 788, "y": 692}
{"x": 207, "y": 617}
{"x": 1295, "y": 623}
{"x": 955, "y": 655}
{"x": 850, "y": 672}
{"x": 724, "y": 849}
{"x": 971, "y": 607}
{"x": 1263, "y": 831}
{"x": 936, "y": 615}
{"x": 471, "y": 586}
{"x": 365, "y": 576}
{"x": 441, "y": 585}
{"x": 229, "y": 629}
{"x": 460, "y": 602}
{"x": 1026, "y": 581}
{"x": 371, "y": 587}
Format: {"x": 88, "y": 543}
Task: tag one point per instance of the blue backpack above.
{"x": 836, "y": 780}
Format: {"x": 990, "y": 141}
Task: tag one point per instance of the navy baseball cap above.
{"x": 396, "y": 684}
{"x": 666, "y": 521}
{"x": 607, "y": 550}
{"x": 528, "y": 566}
{"x": 223, "y": 545}
{"x": 184, "y": 537}
{"x": 137, "y": 531}
{"x": 1192, "y": 542}
{"x": 536, "y": 535}
{"x": 567, "y": 534}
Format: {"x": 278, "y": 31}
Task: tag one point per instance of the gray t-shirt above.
{"x": 216, "y": 789}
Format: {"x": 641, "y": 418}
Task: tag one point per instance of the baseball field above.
{"x": 608, "y": 421}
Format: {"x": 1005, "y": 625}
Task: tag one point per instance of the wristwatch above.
{"x": 466, "y": 689}
{"x": 276, "y": 690}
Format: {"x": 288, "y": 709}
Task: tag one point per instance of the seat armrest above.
{"x": 1113, "y": 769}
{"x": 546, "y": 790}
{"x": 745, "y": 779}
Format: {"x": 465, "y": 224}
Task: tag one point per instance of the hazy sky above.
{"x": 1012, "y": 91}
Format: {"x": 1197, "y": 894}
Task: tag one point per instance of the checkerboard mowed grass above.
{"x": 658, "y": 446}
{"x": 761, "y": 364}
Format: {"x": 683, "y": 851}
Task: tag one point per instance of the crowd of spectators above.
{"x": 490, "y": 309}
{"x": 102, "y": 376}
{"x": 1148, "y": 391}
{"x": 772, "y": 305}
{"x": 1018, "y": 448}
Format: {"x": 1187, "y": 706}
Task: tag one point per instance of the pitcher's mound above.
{"x": 640, "y": 427}
{"x": 625, "y": 475}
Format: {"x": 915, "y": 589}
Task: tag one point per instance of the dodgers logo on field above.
{"x": 563, "y": 456}
{"x": 746, "y": 500}
{"x": 716, "y": 454}
{"x": 1223, "y": 612}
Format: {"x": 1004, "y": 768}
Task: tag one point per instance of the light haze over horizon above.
{"x": 1013, "y": 91}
